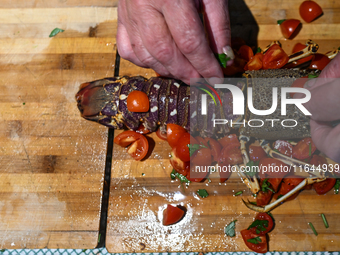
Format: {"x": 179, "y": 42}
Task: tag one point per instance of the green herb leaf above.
{"x": 223, "y": 59}
{"x": 258, "y": 50}
{"x": 255, "y": 240}
{"x": 260, "y": 225}
{"x": 266, "y": 186}
{"x": 56, "y": 31}
{"x": 238, "y": 193}
{"x": 251, "y": 164}
{"x": 312, "y": 76}
{"x": 181, "y": 177}
{"x": 143, "y": 174}
{"x": 229, "y": 230}
{"x": 324, "y": 220}
{"x": 280, "y": 21}
{"x": 312, "y": 227}
{"x": 84, "y": 250}
{"x": 99, "y": 236}
{"x": 173, "y": 174}
{"x": 254, "y": 203}
{"x": 202, "y": 193}
{"x": 195, "y": 147}
{"x": 337, "y": 186}
{"x": 23, "y": 103}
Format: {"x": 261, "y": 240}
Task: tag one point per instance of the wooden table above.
{"x": 52, "y": 161}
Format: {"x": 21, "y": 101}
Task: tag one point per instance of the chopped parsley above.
{"x": 55, "y": 32}
{"x": 202, "y": 193}
{"x": 223, "y": 59}
{"x": 229, "y": 230}
{"x": 251, "y": 165}
{"x": 238, "y": 193}
{"x": 181, "y": 177}
{"x": 259, "y": 225}
{"x": 255, "y": 240}
{"x": 266, "y": 186}
{"x": 195, "y": 147}
{"x": 23, "y": 103}
{"x": 337, "y": 186}
{"x": 280, "y": 21}
{"x": 312, "y": 76}
{"x": 258, "y": 50}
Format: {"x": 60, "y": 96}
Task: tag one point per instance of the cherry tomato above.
{"x": 182, "y": 146}
{"x": 274, "y": 167}
{"x": 268, "y": 227}
{"x": 256, "y": 153}
{"x": 173, "y": 133}
{"x": 298, "y": 83}
{"x": 224, "y": 175}
{"x": 245, "y": 52}
{"x": 139, "y": 145}
{"x": 230, "y": 156}
{"x": 229, "y": 139}
{"x": 275, "y": 58}
{"x": 310, "y": 10}
{"x": 263, "y": 198}
{"x": 180, "y": 166}
{"x": 201, "y": 141}
{"x": 260, "y": 247}
{"x": 172, "y": 215}
{"x": 235, "y": 68}
{"x": 289, "y": 183}
{"x": 214, "y": 146}
{"x": 194, "y": 176}
{"x": 288, "y": 27}
{"x": 137, "y": 101}
{"x": 201, "y": 157}
{"x": 275, "y": 183}
{"x": 255, "y": 62}
{"x": 319, "y": 62}
{"x": 318, "y": 161}
{"x": 161, "y": 135}
{"x": 283, "y": 147}
{"x": 324, "y": 186}
{"x": 304, "y": 149}
{"x": 142, "y": 130}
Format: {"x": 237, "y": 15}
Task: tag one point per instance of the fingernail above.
{"x": 230, "y": 62}
{"x": 215, "y": 80}
{"x": 310, "y": 84}
{"x": 229, "y": 52}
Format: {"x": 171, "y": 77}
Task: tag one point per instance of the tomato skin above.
{"x": 318, "y": 161}
{"x": 267, "y": 217}
{"x": 180, "y": 166}
{"x": 255, "y": 62}
{"x": 182, "y": 146}
{"x": 137, "y": 101}
{"x": 302, "y": 151}
{"x": 230, "y": 156}
{"x": 142, "y": 130}
{"x": 173, "y": 133}
{"x": 261, "y": 247}
{"x": 196, "y": 176}
{"x": 288, "y": 27}
{"x": 245, "y": 52}
{"x": 215, "y": 147}
{"x": 161, "y": 135}
{"x": 309, "y": 11}
{"x": 263, "y": 198}
{"x": 224, "y": 175}
{"x": 275, "y": 58}
{"x": 256, "y": 153}
{"x": 201, "y": 157}
{"x": 172, "y": 215}
{"x": 324, "y": 186}
{"x": 139, "y": 145}
{"x": 283, "y": 147}
{"x": 289, "y": 183}
{"x": 229, "y": 139}
{"x": 319, "y": 62}
{"x": 274, "y": 163}
{"x": 125, "y": 138}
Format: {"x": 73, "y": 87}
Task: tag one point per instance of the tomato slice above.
{"x": 224, "y": 175}
{"x": 172, "y": 215}
{"x": 318, "y": 161}
{"x": 263, "y": 198}
{"x": 287, "y": 185}
{"x": 139, "y": 145}
{"x": 182, "y": 146}
{"x": 289, "y": 28}
{"x": 275, "y": 183}
{"x": 310, "y": 10}
{"x": 229, "y": 139}
{"x": 196, "y": 176}
{"x": 263, "y": 229}
{"x": 173, "y": 133}
{"x": 230, "y": 156}
{"x": 273, "y": 167}
{"x": 304, "y": 149}
{"x": 180, "y": 166}
{"x": 256, "y": 153}
{"x": 319, "y": 62}
{"x": 245, "y": 52}
{"x": 298, "y": 83}
{"x": 214, "y": 146}
{"x": 284, "y": 147}
{"x": 201, "y": 157}
{"x": 275, "y": 58}
{"x": 137, "y": 101}
{"x": 255, "y": 62}
{"x": 324, "y": 186}
{"x": 260, "y": 247}
{"x": 161, "y": 135}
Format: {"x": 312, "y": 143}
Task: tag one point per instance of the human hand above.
{"x": 324, "y": 106}
{"x": 169, "y": 37}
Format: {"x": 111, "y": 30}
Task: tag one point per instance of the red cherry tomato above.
{"x": 230, "y": 156}
{"x": 324, "y": 186}
{"x": 267, "y": 227}
{"x": 263, "y": 198}
{"x": 173, "y": 133}
{"x": 289, "y": 183}
{"x": 224, "y": 175}
{"x": 137, "y": 101}
{"x": 275, "y": 183}
{"x": 304, "y": 149}
{"x": 182, "y": 146}
{"x": 201, "y": 141}
{"x": 229, "y": 139}
{"x": 274, "y": 167}
{"x": 318, "y": 161}
{"x": 260, "y": 247}
{"x": 288, "y": 27}
{"x": 256, "y": 153}
{"x": 161, "y": 135}
{"x": 283, "y": 147}
{"x": 255, "y": 62}
{"x": 275, "y": 58}
{"x": 245, "y": 52}
{"x": 201, "y": 157}
{"x": 319, "y": 62}
{"x": 310, "y": 10}
{"x": 196, "y": 176}
{"x": 180, "y": 166}
{"x": 142, "y": 130}
{"x": 172, "y": 215}
{"x": 214, "y": 146}
{"x": 139, "y": 145}
{"x": 298, "y": 83}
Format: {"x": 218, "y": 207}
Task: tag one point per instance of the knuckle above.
{"x": 189, "y": 45}
{"x": 163, "y": 53}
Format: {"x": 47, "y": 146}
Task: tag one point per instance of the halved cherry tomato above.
{"x": 304, "y": 149}
{"x": 142, "y": 130}
{"x": 230, "y": 156}
{"x": 201, "y": 141}
{"x": 289, "y": 183}
{"x": 255, "y": 62}
{"x": 256, "y": 153}
{"x": 172, "y": 215}
{"x": 173, "y": 133}
{"x": 324, "y": 186}
{"x": 268, "y": 227}
{"x": 229, "y": 139}
{"x": 260, "y": 247}
{"x": 235, "y": 68}
{"x": 318, "y": 161}
{"x": 139, "y": 145}
{"x": 319, "y": 62}
{"x": 283, "y": 147}
{"x": 224, "y": 175}
{"x": 196, "y": 176}
{"x": 214, "y": 146}
{"x": 275, "y": 58}
{"x": 182, "y": 146}
{"x": 245, "y": 52}
{"x": 274, "y": 167}
{"x": 201, "y": 157}
{"x": 161, "y": 135}
{"x": 275, "y": 183}
{"x": 310, "y": 10}
{"x": 288, "y": 27}
{"x": 263, "y": 198}
{"x": 298, "y": 83}
{"x": 180, "y": 166}
{"x": 137, "y": 101}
